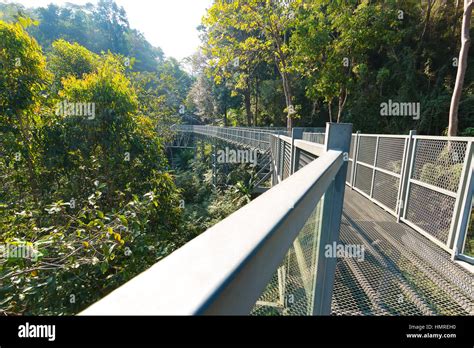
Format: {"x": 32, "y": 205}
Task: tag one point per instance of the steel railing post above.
{"x": 371, "y": 195}
{"x": 338, "y": 137}
{"x": 459, "y": 221}
{"x": 405, "y": 173}
{"x": 354, "y": 159}
{"x": 296, "y": 133}
{"x": 278, "y": 164}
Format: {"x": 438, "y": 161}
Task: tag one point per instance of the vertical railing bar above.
{"x": 279, "y": 158}
{"x": 374, "y": 170}
{"x": 403, "y": 173}
{"x": 410, "y": 173}
{"x": 355, "y": 158}
{"x": 338, "y": 137}
{"x": 282, "y": 159}
{"x": 354, "y": 149}
{"x": 460, "y": 238}
{"x": 297, "y": 133}
{"x": 458, "y": 210}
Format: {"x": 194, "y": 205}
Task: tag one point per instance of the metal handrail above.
{"x": 404, "y": 178}
{"x": 226, "y": 269}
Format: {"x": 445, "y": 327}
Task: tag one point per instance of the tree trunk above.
{"x": 255, "y": 118}
{"x": 342, "y": 103}
{"x": 313, "y": 111}
{"x": 225, "y": 115}
{"x": 330, "y": 111}
{"x": 280, "y": 59}
{"x": 427, "y": 20}
{"x": 248, "y": 107}
{"x": 462, "y": 65}
{"x": 289, "y": 106}
{"x": 455, "y": 22}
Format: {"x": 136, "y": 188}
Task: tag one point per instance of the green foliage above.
{"x": 22, "y": 82}
{"x": 333, "y": 44}
{"x": 68, "y": 60}
{"x": 77, "y": 257}
{"x": 468, "y": 132}
{"x": 445, "y": 172}
{"x": 204, "y": 205}
{"x": 87, "y": 198}
{"x": 23, "y": 66}
{"x": 244, "y": 38}
{"x": 469, "y": 245}
{"x": 340, "y": 58}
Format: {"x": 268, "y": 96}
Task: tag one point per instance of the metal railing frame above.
{"x": 404, "y": 177}
{"x": 225, "y": 269}
{"x": 461, "y": 212}
{"x": 461, "y": 231}
{"x": 355, "y": 162}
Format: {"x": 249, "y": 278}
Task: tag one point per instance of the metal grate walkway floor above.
{"x": 403, "y": 273}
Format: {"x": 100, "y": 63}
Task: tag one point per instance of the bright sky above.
{"x": 169, "y": 24}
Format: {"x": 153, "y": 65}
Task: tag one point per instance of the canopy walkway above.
{"x": 354, "y": 224}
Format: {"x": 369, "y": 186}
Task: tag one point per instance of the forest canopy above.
{"x": 310, "y": 61}
{"x": 320, "y": 60}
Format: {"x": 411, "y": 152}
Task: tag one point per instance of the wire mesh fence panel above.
{"x": 314, "y": 137}
{"x": 363, "y": 179}
{"x": 439, "y": 162}
{"x": 367, "y": 147}
{"x": 433, "y": 185}
{"x": 402, "y": 272}
{"x": 281, "y": 155}
{"x": 304, "y": 159}
{"x": 291, "y": 289}
{"x": 390, "y": 154}
{"x": 387, "y": 171}
{"x": 364, "y": 168}
{"x": 287, "y": 160}
{"x": 351, "y": 160}
{"x": 430, "y": 210}
{"x": 386, "y": 189}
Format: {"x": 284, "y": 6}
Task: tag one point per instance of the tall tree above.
{"x": 462, "y": 66}
{"x": 333, "y": 43}
{"x": 241, "y": 31}
{"x": 22, "y": 82}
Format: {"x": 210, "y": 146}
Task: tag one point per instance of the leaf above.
{"x": 104, "y": 266}
{"x": 123, "y": 219}
{"x": 6, "y": 300}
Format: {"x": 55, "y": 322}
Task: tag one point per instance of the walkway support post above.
{"x": 338, "y": 137}
{"x": 214, "y": 166}
{"x": 279, "y": 156}
{"x": 462, "y": 208}
{"x": 355, "y": 153}
{"x": 405, "y": 174}
{"x": 296, "y": 133}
